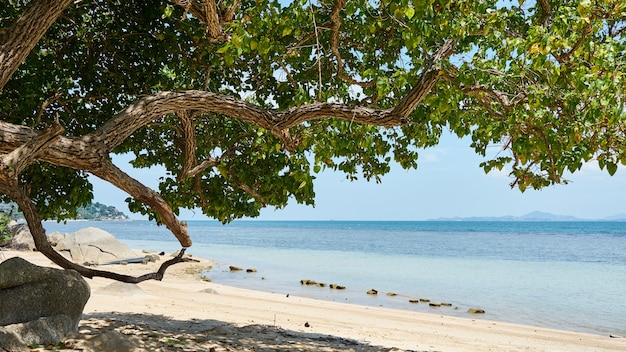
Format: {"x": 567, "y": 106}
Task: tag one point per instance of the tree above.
{"x": 243, "y": 101}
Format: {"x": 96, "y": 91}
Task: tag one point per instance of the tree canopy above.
{"x": 244, "y": 101}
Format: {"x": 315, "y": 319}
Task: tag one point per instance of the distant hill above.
{"x": 99, "y": 211}
{"x": 532, "y": 216}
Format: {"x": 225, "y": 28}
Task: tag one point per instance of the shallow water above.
{"x": 565, "y": 275}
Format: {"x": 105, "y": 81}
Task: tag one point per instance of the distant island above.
{"x": 99, "y": 211}
{"x": 532, "y": 216}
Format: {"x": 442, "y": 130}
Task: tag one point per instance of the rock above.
{"x": 321, "y": 284}
{"x": 426, "y": 300}
{"x": 43, "y": 331}
{"x": 434, "y": 305}
{"x": 391, "y": 294}
{"x": 21, "y": 240}
{"x": 94, "y": 245}
{"x": 446, "y": 304}
{"x": 476, "y": 311}
{"x": 337, "y": 287}
{"x": 308, "y": 282}
{"x": 372, "y": 292}
{"x": 11, "y": 342}
{"x": 40, "y": 305}
{"x": 118, "y": 288}
{"x": 152, "y": 257}
{"x": 234, "y": 268}
{"x": 109, "y": 340}
{"x": 56, "y": 237}
{"x": 414, "y": 301}
{"x": 251, "y": 270}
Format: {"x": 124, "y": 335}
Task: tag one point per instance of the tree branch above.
{"x": 20, "y": 196}
{"x": 334, "y": 45}
{"x": 545, "y": 11}
{"x": 20, "y": 38}
{"x": 430, "y": 75}
{"x": 112, "y": 174}
{"x": 13, "y": 163}
{"x": 189, "y": 140}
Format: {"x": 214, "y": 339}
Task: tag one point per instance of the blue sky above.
{"x": 447, "y": 183}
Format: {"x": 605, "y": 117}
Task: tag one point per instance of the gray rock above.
{"x": 94, "y": 245}
{"x": 39, "y": 304}
{"x": 121, "y": 289}
{"x": 43, "y": 331}
{"x": 21, "y": 240}
{"x": 56, "y": 237}
{"x": 11, "y": 342}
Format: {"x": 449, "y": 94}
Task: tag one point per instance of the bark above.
{"x": 20, "y": 38}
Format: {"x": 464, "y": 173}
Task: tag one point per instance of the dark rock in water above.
{"x": 414, "y": 301}
{"x": 476, "y": 311}
{"x": 308, "y": 282}
{"x": 434, "y": 305}
{"x": 234, "y": 268}
{"x": 391, "y": 294}
{"x": 372, "y": 292}
{"x": 321, "y": 284}
{"x": 40, "y": 305}
{"x": 446, "y": 304}
{"x": 251, "y": 270}
{"x": 425, "y": 300}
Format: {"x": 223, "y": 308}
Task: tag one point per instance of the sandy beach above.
{"x": 185, "y": 313}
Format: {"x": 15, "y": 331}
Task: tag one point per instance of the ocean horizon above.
{"x": 565, "y": 275}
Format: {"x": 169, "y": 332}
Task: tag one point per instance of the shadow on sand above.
{"x": 150, "y": 332}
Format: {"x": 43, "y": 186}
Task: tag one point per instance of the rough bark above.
{"x": 20, "y": 38}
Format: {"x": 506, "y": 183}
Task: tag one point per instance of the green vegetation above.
{"x": 99, "y": 211}
{"x": 244, "y": 102}
{"x": 5, "y": 232}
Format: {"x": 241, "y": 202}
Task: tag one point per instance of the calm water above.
{"x": 566, "y": 275}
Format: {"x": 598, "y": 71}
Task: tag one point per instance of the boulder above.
{"x": 21, "y": 240}
{"x": 93, "y": 245}
{"x": 40, "y": 305}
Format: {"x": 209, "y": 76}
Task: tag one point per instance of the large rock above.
{"x": 39, "y": 305}
{"x": 94, "y": 246}
{"x": 21, "y": 239}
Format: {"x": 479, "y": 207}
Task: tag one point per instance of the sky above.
{"x": 447, "y": 183}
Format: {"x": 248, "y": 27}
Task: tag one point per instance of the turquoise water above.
{"x": 565, "y": 275}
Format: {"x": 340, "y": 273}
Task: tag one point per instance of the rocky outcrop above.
{"x": 39, "y": 305}
{"x": 93, "y": 246}
{"x": 21, "y": 238}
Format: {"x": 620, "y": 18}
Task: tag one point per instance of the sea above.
{"x": 562, "y": 275}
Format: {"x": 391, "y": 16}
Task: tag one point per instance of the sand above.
{"x": 185, "y": 313}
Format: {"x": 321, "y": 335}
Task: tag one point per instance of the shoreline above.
{"x": 184, "y": 304}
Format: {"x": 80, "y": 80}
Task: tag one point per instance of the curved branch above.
{"x": 112, "y": 174}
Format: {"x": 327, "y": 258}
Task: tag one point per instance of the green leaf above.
{"x": 409, "y": 12}
{"x": 611, "y": 168}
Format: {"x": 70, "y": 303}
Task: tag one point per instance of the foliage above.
{"x": 5, "y": 231}
{"x": 543, "y": 81}
{"x": 99, "y": 211}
